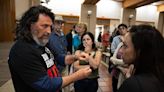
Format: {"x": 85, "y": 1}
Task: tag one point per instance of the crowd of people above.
{"x": 40, "y": 55}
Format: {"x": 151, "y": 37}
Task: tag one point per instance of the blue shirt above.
{"x": 115, "y": 42}
{"x": 58, "y": 46}
{"x": 76, "y": 41}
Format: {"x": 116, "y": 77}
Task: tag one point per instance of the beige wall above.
{"x": 113, "y": 24}
{"x": 20, "y": 7}
{"x": 7, "y": 20}
{"x": 125, "y": 16}
{"x": 90, "y": 20}
{"x": 146, "y": 13}
{"x": 109, "y": 9}
{"x": 143, "y": 22}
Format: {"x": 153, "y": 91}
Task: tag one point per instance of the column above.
{"x": 128, "y": 16}
{"x": 7, "y": 20}
{"x": 88, "y": 15}
{"x": 34, "y": 2}
{"x": 159, "y": 22}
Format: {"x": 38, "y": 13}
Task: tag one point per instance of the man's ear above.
{"x": 32, "y": 28}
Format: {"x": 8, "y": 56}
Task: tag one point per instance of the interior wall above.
{"x": 67, "y": 28}
{"x": 109, "y": 9}
{"x": 143, "y": 22}
{"x": 70, "y": 21}
{"x": 148, "y": 16}
{"x": 114, "y": 24}
{"x": 7, "y": 20}
{"x": 89, "y": 19}
{"x": 20, "y": 7}
{"x": 162, "y": 29}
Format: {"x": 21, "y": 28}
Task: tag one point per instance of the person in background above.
{"x": 99, "y": 42}
{"x": 114, "y": 33}
{"x": 58, "y": 43}
{"x": 58, "y": 46}
{"x": 105, "y": 38}
{"x": 144, "y": 47}
{"x": 120, "y": 70}
{"x": 69, "y": 38}
{"x": 74, "y": 37}
{"x": 74, "y": 40}
{"x": 31, "y": 63}
{"x": 122, "y": 28}
{"x": 99, "y": 37}
{"x": 81, "y": 28}
{"x": 91, "y": 58}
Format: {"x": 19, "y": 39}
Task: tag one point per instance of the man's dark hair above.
{"x": 122, "y": 25}
{"x": 31, "y": 16}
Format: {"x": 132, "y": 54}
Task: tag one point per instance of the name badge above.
{"x": 49, "y": 62}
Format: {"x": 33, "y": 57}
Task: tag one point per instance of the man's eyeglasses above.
{"x": 59, "y": 22}
{"x": 121, "y": 28}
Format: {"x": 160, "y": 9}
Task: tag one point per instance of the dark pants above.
{"x": 86, "y": 85}
{"x": 114, "y": 84}
{"x": 115, "y": 74}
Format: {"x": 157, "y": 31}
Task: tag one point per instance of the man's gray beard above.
{"x": 42, "y": 42}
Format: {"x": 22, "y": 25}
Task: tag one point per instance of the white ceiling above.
{"x": 105, "y": 8}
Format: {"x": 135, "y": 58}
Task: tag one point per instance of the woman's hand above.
{"x": 84, "y": 56}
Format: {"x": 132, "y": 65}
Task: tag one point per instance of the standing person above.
{"x": 105, "y": 38}
{"x": 58, "y": 46}
{"x": 57, "y": 37}
{"x": 69, "y": 38}
{"x": 144, "y": 47}
{"x": 114, "y": 33}
{"x": 31, "y": 63}
{"x": 58, "y": 43}
{"x": 122, "y": 28}
{"x": 91, "y": 58}
{"x": 99, "y": 37}
{"x": 120, "y": 71}
{"x": 81, "y": 29}
{"x": 74, "y": 36}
